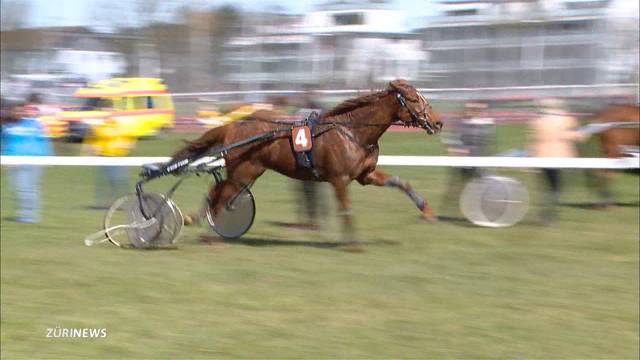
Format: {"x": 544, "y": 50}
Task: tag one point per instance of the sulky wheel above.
{"x": 236, "y": 218}
{"x": 163, "y": 226}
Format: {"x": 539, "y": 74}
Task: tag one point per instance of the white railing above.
{"x": 629, "y": 86}
{"x": 441, "y": 161}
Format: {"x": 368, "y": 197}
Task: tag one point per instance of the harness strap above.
{"x": 267, "y": 135}
{"x": 311, "y": 121}
{"x": 318, "y": 123}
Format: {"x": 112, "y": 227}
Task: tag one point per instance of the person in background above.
{"x": 474, "y": 135}
{"x": 109, "y": 139}
{"x": 30, "y": 109}
{"x": 23, "y": 135}
{"x": 553, "y": 134}
{"x": 311, "y": 208}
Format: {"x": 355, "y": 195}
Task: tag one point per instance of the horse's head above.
{"x": 414, "y": 108}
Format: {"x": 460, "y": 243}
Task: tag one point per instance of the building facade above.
{"x": 488, "y": 43}
{"x": 334, "y": 47}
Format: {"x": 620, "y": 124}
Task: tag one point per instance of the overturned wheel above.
{"x": 494, "y": 201}
{"x": 150, "y": 221}
{"x": 235, "y": 218}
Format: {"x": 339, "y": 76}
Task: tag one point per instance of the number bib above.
{"x": 301, "y": 137}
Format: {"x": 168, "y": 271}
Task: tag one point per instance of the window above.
{"x": 138, "y": 102}
{"x": 97, "y": 103}
{"x": 119, "y": 103}
{"x": 161, "y": 102}
{"x": 465, "y": 12}
{"x": 348, "y": 19}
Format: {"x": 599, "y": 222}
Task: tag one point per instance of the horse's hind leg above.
{"x": 238, "y": 178}
{"x": 598, "y": 181}
{"x": 380, "y": 178}
{"x": 344, "y": 211}
{"x": 221, "y": 193}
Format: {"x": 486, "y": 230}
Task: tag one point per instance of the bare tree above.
{"x": 227, "y": 23}
{"x": 14, "y": 14}
{"x": 123, "y": 14}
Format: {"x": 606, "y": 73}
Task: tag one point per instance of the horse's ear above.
{"x": 398, "y": 84}
{"x": 405, "y": 89}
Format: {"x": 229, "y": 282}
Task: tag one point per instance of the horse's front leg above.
{"x": 380, "y": 178}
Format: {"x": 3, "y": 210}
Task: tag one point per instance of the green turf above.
{"x": 422, "y": 290}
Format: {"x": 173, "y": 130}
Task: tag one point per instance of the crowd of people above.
{"x": 552, "y": 133}
{"x": 24, "y": 135}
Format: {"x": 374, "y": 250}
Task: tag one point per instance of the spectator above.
{"x": 109, "y": 139}
{"x": 474, "y": 136}
{"x": 23, "y": 135}
{"x": 312, "y": 210}
{"x": 553, "y": 134}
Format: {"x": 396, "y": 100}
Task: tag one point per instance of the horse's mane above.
{"x": 355, "y": 103}
{"x": 340, "y": 109}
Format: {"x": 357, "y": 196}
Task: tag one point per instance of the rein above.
{"x": 333, "y": 124}
{"x": 292, "y": 124}
{"x": 340, "y": 126}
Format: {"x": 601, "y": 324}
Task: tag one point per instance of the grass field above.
{"x": 422, "y": 290}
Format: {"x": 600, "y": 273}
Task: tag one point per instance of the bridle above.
{"x": 416, "y": 121}
{"x": 330, "y": 125}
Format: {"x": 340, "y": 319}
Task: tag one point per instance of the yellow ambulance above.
{"x": 142, "y": 106}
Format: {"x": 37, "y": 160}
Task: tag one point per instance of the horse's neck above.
{"x": 371, "y": 121}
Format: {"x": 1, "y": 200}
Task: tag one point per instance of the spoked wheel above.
{"x": 126, "y": 225}
{"x": 494, "y": 201}
{"x": 235, "y": 218}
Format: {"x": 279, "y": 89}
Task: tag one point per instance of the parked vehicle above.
{"x": 142, "y": 105}
{"x": 211, "y": 118}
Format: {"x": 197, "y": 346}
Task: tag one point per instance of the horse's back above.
{"x": 619, "y": 113}
{"x": 612, "y": 139}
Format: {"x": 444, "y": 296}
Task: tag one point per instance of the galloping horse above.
{"x": 613, "y": 140}
{"x": 345, "y": 147}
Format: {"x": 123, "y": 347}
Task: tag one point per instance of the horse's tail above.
{"x": 202, "y": 144}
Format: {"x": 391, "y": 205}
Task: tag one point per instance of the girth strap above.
{"x": 305, "y": 158}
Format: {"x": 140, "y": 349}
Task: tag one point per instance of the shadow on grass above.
{"x": 259, "y": 242}
{"x": 455, "y": 220}
{"x": 151, "y": 248}
{"x": 463, "y": 222}
{"x": 594, "y": 205}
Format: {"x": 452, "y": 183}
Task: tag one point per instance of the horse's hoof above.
{"x": 429, "y": 217}
{"x": 191, "y": 219}
{"x": 352, "y": 247}
{"x": 427, "y": 214}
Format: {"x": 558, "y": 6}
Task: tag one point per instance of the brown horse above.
{"x": 345, "y": 147}
{"x": 613, "y": 140}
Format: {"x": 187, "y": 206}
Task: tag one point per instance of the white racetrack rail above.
{"x": 630, "y": 87}
{"x": 441, "y": 161}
